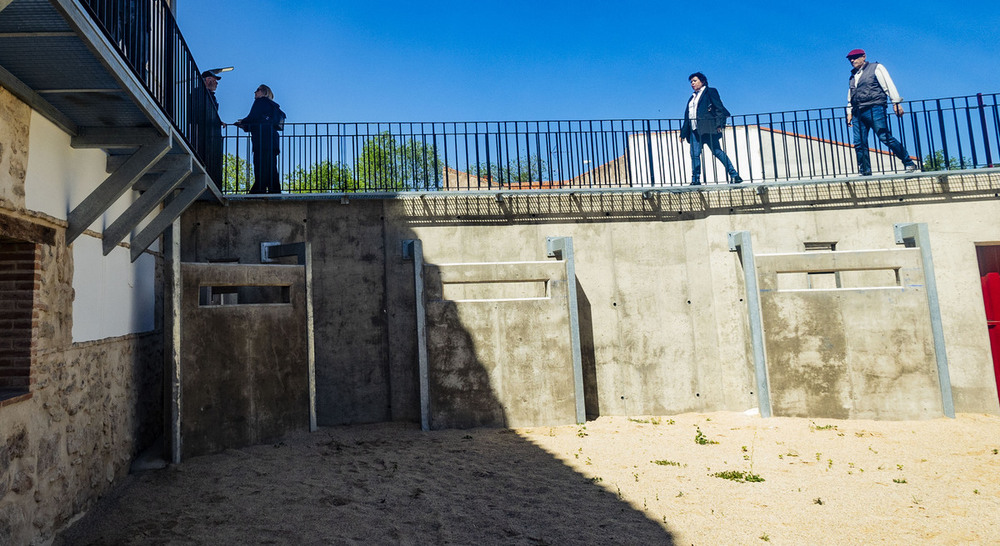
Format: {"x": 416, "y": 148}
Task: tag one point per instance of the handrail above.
{"x": 150, "y": 42}
{"x": 378, "y": 157}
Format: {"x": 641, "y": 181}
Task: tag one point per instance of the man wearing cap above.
{"x": 869, "y": 91}
{"x": 213, "y": 129}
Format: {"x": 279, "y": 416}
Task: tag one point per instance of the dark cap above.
{"x": 208, "y": 73}
{"x": 855, "y": 53}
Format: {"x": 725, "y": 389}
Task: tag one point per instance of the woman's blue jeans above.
{"x": 713, "y": 141}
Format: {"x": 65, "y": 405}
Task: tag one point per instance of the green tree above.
{"x": 935, "y": 162}
{"x": 324, "y": 176}
{"x": 515, "y": 171}
{"x": 237, "y": 174}
{"x": 386, "y": 164}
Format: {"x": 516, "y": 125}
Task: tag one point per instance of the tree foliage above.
{"x": 237, "y": 174}
{"x": 384, "y": 164}
{"x": 320, "y": 177}
{"x": 935, "y": 162}
{"x": 515, "y": 171}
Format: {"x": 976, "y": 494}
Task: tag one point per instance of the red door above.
{"x": 989, "y": 269}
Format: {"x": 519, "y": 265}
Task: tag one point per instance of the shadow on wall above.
{"x": 591, "y": 395}
{"x": 380, "y": 483}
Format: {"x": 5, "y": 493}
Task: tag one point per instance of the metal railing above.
{"x": 146, "y": 35}
{"x": 938, "y": 134}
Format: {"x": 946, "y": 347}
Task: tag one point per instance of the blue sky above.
{"x": 516, "y": 60}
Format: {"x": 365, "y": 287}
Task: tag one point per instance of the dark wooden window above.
{"x": 19, "y": 279}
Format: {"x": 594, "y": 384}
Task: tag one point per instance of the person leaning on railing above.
{"x": 869, "y": 90}
{"x": 263, "y": 123}
{"x": 704, "y": 118}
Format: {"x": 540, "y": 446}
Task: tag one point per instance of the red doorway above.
{"x": 989, "y": 272}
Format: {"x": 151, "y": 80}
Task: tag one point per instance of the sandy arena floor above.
{"x": 615, "y": 480}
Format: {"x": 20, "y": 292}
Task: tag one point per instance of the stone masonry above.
{"x": 79, "y": 413}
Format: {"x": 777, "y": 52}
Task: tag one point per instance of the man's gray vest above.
{"x": 867, "y": 92}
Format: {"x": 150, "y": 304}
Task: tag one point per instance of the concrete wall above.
{"x": 244, "y": 365}
{"x": 499, "y": 350}
{"x": 859, "y": 350}
{"x": 663, "y": 318}
{"x": 89, "y": 406}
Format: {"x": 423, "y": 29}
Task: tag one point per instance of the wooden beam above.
{"x": 105, "y": 138}
{"x": 34, "y": 34}
{"x": 37, "y": 103}
{"x": 145, "y": 204}
{"x": 68, "y": 91}
{"x": 178, "y": 157}
{"x": 116, "y": 184}
{"x": 26, "y": 231}
{"x": 142, "y": 240}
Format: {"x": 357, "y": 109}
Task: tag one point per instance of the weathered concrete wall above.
{"x": 861, "y": 351}
{"x": 498, "y": 345}
{"x": 663, "y": 318}
{"x": 244, "y": 366}
{"x": 90, "y": 407}
{"x": 352, "y": 367}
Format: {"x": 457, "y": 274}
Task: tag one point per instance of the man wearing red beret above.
{"x": 870, "y": 89}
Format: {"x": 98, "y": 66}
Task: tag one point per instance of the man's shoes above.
{"x": 695, "y": 183}
{"x": 912, "y": 168}
{"x": 736, "y": 179}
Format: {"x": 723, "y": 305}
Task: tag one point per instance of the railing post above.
{"x": 649, "y": 151}
{"x": 986, "y": 131}
{"x": 944, "y": 138}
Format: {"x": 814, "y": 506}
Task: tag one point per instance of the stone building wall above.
{"x": 89, "y": 408}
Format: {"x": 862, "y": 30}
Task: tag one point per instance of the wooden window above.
{"x": 20, "y": 276}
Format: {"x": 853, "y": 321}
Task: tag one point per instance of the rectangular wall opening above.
{"x": 822, "y": 280}
{"x": 494, "y": 290}
{"x": 988, "y": 257}
{"x": 213, "y": 296}
{"x": 841, "y": 279}
{"x": 20, "y": 275}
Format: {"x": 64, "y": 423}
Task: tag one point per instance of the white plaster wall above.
{"x": 113, "y": 296}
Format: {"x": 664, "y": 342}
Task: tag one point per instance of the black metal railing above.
{"x": 146, "y": 35}
{"x": 939, "y": 134}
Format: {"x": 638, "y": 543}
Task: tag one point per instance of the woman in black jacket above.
{"x": 263, "y": 125}
{"x": 704, "y": 118}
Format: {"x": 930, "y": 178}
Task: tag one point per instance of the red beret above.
{"x": 855, "y": 53}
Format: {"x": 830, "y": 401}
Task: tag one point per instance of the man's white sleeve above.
{"x": 882, "y": 75}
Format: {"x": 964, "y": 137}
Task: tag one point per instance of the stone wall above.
{"x": 90, "y": 407}
{"x": 14, "y": 121}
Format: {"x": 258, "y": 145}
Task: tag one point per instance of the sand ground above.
{"x": 616, "y": 480}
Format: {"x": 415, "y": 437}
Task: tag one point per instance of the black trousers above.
{"x": 265, "y": 167}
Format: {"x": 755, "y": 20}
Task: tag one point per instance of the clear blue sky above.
{"x": 517, "y": 60}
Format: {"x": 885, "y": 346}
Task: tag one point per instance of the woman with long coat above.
{"x": 704, "y": 118}
{"x": 263, "y": 125}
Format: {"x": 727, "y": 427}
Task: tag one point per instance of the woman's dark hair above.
{"x": 700, "y": 76}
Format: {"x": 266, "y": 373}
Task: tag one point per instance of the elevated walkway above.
{"x": 117, "y": 95}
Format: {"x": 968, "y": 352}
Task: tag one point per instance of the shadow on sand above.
{"x": 386, "y": 483}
